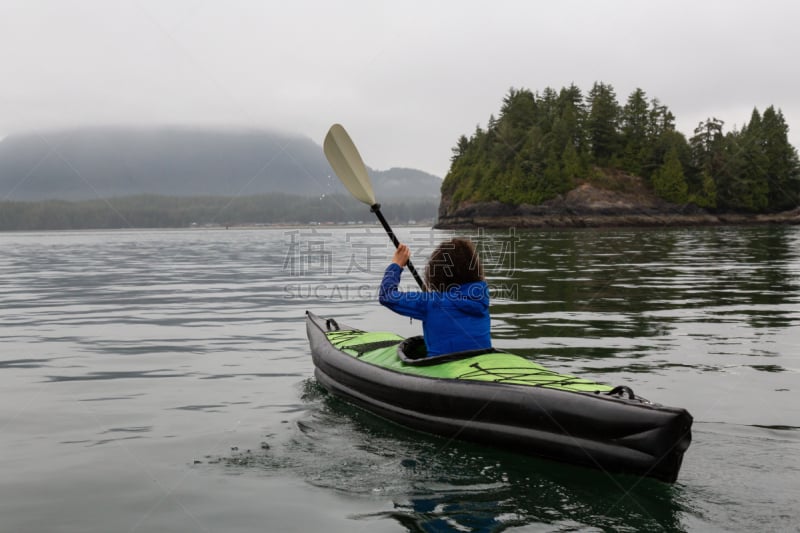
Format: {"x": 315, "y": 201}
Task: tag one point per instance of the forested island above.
{"x": 559, "y": 158}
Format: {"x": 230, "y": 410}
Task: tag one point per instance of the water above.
{"x": 161, "y": 381}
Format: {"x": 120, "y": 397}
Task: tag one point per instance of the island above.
{"x": 559, "y": 159}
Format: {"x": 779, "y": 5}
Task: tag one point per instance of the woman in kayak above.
{"x": 455, "y": 309}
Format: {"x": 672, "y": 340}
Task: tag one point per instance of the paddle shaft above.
{"x": 376, "y": 208}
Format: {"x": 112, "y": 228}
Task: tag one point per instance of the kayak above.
{"x": 500, "y": 399}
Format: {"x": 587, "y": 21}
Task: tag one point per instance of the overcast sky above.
{"x": 405, "y": 78}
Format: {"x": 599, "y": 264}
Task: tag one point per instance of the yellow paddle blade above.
{"x": 348, "y": 165}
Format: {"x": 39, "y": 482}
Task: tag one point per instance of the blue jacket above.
{"x": 452, "y": 321}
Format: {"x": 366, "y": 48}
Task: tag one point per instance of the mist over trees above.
{"x": 89, "y": 163}
{"x": 542, "y": 144}
{"x": 121, "y": 178}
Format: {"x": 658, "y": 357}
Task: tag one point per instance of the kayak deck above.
{"x": 497, "y": 366}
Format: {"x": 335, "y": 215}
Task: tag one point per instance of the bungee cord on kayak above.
{"x": 525, "y": 376}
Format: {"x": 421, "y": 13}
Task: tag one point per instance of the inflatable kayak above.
{"x": 497, "y": 398}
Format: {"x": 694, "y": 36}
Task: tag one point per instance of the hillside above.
{"x": 85, "y": 164}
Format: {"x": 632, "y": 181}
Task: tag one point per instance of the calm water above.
{"x": 161, "y": 381}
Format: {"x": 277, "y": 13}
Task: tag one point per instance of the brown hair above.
{"x": 454, "y": 262}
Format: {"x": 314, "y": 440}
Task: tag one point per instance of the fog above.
{"x": 406, "y": 79}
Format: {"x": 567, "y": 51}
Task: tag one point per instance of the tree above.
{"x": 634, "y": 125}
{"x": 602, "y": 122}
{"x": 753, "y": 165}
{"x": 669, "y": 181}
{"x": 782, "y": 167}
{"x": 706, "y": 145}
{"x": 660, "y": 119}
{"x": 573, "y": 113}
{"x": 548, "y": 111}
{"x": 519, "y": 109}
{"x": 460, "y": 148}
{"x": 739, "y": 176}
{"x": 571, "y": 167}
{"x": 707, "y": 195}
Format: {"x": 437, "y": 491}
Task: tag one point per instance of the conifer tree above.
{"x": 706, "y": 196}
{"x": 571, "y": 167}
{"x": 634, "y": 122}
{"x": 706, "y": 145}
{"x": 602, "y": 123}
{"x": 669, "y": 180}
{"x": 753, "y": 165}
{"x": 739, "y": 177}
{"x": 573, "y": 113}
{"x": 782, "y": 166}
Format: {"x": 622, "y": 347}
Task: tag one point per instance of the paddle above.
{"x": 348, "y": 165}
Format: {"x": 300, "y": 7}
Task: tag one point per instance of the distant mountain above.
{"x": 93, "y": 163}
{"x": 405, "y": 183}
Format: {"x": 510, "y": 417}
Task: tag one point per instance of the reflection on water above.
{"x": 637, "y": 283}
{"x": 625, "y": 295}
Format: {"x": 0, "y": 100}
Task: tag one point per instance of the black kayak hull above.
{"x": 610, "y": 433}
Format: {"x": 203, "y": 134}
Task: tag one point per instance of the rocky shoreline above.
{"x": 594, "y": 220}
{"x": 588, "y": 206}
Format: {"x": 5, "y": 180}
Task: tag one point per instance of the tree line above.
{"x": 542, "y": 144}
{"x": 148, "y": 211}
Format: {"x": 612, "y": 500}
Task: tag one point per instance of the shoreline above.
{"x": 607, "y": 220}
{"x": 592, "y": 206}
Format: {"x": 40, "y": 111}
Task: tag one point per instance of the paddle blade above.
{"x": 348, "y": 165}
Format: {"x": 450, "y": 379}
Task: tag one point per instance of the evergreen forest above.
{"x": 544, "y": 144}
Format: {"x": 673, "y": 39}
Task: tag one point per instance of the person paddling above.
{"x": 455, "y": 308}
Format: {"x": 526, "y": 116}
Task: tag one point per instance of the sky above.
{"x": 406, "y": 79}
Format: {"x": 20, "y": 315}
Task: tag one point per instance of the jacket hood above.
{"x": 471, "y": 298}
